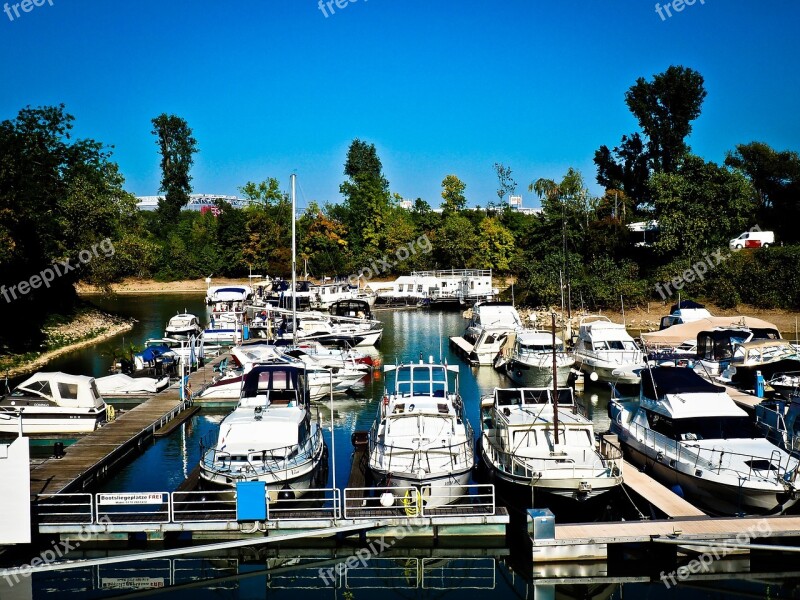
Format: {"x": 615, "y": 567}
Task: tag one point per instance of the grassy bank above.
{"x": 62, "y": 335}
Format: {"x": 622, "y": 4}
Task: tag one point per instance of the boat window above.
{"x": 68, "y": 391}
{"x": 535, "y": 396}
{"x": 507, "y": 397}
{"x": 616, "y": 345}
{"x": 661, "y": 424}
{"x": 37, "y": 387}
{"x": 629, "y": 345}
{"x": 600, "y": 346}
{"x": 587, "y": 345}
{"x": 579, "y": 437}
{"x": 714, "y": 428}
{"x": 565, "y": 397}
{"x": 524, "y": 439}
{"x": 761, "y": 464}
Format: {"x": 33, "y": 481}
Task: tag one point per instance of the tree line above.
{"x": 59, "y": 196}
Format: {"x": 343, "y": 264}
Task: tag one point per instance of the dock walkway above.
{"x": 91, "y": 457}
{"x": 665, "y": 500}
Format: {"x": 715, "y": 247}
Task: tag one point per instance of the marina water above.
{"x": 289, "y": 570}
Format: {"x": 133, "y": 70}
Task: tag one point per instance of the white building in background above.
{"x": 196, "y": 201}
{"x": 515, "y": 202}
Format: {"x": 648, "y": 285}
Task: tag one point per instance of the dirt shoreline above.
{"x": 111, "y": 326}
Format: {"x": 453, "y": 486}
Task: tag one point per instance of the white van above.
{"x": 753, "y": 239}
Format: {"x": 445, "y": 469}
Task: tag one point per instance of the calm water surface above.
{"x": 272, "y": 572}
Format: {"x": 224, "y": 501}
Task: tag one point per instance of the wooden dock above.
{"x": 665, "y": 500}
{"x": 463, "y": 348}
{"x": 97, "y": 453}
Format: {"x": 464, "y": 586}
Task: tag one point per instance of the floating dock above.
{"x": 463, "y": 348}
{"x": 97, "y": 453}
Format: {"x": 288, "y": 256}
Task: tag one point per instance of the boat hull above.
{"x": 444, "y": 489}
{"x": 526, "y": 375}
{"x": 53, "y": 422}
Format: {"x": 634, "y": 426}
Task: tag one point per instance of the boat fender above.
{"x": 677, "y": 490}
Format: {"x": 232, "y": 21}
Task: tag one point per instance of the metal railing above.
{"x": 610, "y": 461}
{"x": 220, "y": 506}
{"x": 715, "y": 459}
{"x": 223, "y": 464}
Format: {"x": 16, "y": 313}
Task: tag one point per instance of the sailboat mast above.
{"x": 555, "y": 382}
{"x": 294, "y": 264}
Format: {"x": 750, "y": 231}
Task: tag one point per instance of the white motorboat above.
{"x": 489, "y": 329}
{"x": 606, "y": 351}
{"x": 532, "y": 442}
{"x": 327, "y": 330}
{"x": 325, "y": 294}
{"x": 121, "y": 385}
{"x": 421, "y": 442}
{"x": 767, "y": 357}
{"x": 52, "y": 403}
{"x": 530, "y": 361}
{"x": 183, "y": 326}
{"x": 685, "y": 311}
{"x": 691, "y": 435}
{"x": 235, "y": 294}
{"x": 270, "y": 437}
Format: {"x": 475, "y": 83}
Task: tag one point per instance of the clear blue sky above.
{"x": 439, "y": 86}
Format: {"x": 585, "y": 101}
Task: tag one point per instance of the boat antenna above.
{"x": 294, "y": 263}
{"x": 555, "y": 382}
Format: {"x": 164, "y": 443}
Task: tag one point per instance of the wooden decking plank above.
{"x": 656, "y": 494}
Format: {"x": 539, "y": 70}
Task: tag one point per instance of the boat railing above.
{"x": 410, "y": 460}
{"x": 409, "y": 502}
{"x": 544, "y": 357}
{"x": 716, "y": 460}
{"x": 614, "y": 356}
{"x": 274, "y": 460}
{"x": 557, "y": 463}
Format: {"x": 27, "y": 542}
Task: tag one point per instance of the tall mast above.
{"x": 294, "y": 265}
{"x": 555, "y": 382}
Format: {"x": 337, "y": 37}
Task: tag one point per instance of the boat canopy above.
{"x": 75, "y": 391}
{"x": 684, "y": 304}
{"x": 660, "y": 381}
{"x": 678, "y": 334}
{"x": 279, "y": 382}
{"x": 236, "y": 293}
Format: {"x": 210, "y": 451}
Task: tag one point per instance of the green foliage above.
{"x": 700, "y": 207}
{"x": 177, "y": 148}
{"x": 455, "y": 242}
{"x": 506, "y": 186}
{"x": 453, "y": 194}
{"x": 495, "y": 245}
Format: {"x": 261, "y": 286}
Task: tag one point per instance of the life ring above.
{"x": 411, "y": 503}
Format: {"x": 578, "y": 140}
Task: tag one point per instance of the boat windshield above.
{"x": 703, "y": 428}
{"x": 425, "y": 380}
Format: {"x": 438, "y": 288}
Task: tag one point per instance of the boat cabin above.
{"x": 56, "y": 389}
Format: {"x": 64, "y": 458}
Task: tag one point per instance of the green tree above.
{"x": 177, "y": 148}
{"x": 324, "y": 242}
{"x": 455, "y": 242}
{"x": 453, "y": 194}
{"x": 665, "y": 108}
{"x": 776, "y": 179}
{"x": 495, "y": 245}
{"x": 700, "y": 208}
{"x": 367, "y": 199}
{"x": 506, "y": 184}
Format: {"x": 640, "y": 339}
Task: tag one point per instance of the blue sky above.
{"x": 439, "y": 86}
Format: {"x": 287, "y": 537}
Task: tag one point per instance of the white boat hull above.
{"x": 434, "y": 492}
{"x": 527, "y": 375}
{"x": 53, "y": 421}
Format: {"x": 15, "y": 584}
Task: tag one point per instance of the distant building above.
{"x": 649, "y": 231}
{"x": 201, "y": 202}
{"x": 407, "y": 204}
{"x": 515, "y": 202}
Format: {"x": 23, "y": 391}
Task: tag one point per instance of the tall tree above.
{"x": 453, "y": 194}
{"x": 665, "y": 108}
{"x": 626, "y": 168}
{"x": 177, "y": 148}
{"x": 506, "y": 184}
{"x": 367, "y": 198}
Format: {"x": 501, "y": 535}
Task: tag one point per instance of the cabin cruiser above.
{"x": 157, "y": 360}
{"x": 226, "y": 324}
{"x": 606, "y": 351}
{"x": 768, "y": 357}
{"x": 530, "y": 362}
{"x": 325, "y": 294}
{"x": 532, "y": 442}
{"x": 685, "y": 311}
{"x": 689, "y": 433}
{"x": 52, "y": 403}
{"x": 716, "y": 348}
{"x": 270, "y": 437}
{"x": 420, "y": 438}
{"x": 120, "y": 385}
{"x": 183, "y": 326}
{"x": 318, "y": 381}
{"x": 228, "y": 294}
{"x": 331, "y": 330}
{"x": 489, "y": 328}
{"x": 785, "y": 384}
